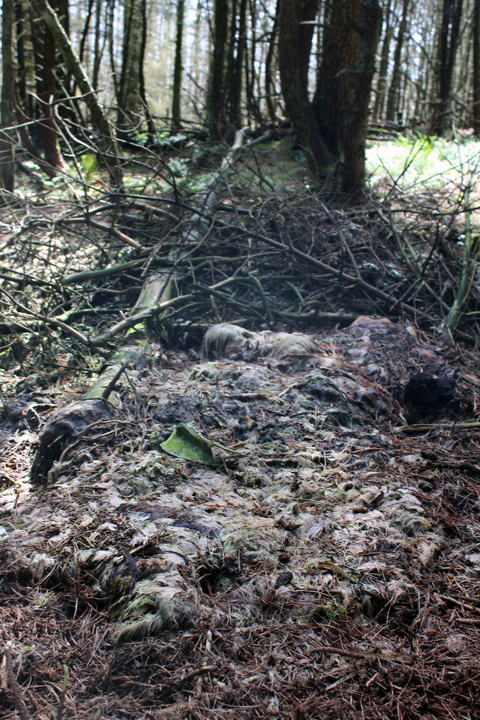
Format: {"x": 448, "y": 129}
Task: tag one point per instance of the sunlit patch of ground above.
{"x": 442, "y": 168}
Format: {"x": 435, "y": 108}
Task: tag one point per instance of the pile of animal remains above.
{"x": 279, "y": 525}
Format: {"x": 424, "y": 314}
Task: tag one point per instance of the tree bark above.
{"x": 50, "y": 144}
{"x": 7, "y": 153}
{"x": 423, "y": 81}
{"x": 73, "y": 64}
{"x": 307, "y": 28}
{"x": 268, "y": 66}
{"x": 447, "y": 51}
{"x": 253, "y": 106}
{"x": 294, "y": 86}
{"x": 394, "y": 90}
{"x": 130, "y": 104}
{"x": 344, "y": 84}
{"x": 98, "y": 48}
{"x": 216, "y": 88}
{"x": 25, "y": 58}
{"x": 143, "y": 94}
{"x": 86, "y": 28}
{"x": 237, "y": 74}
{"x": 230, "y": 60}
{"x": 111, "y": 48}
{"x": 177, "y": 72}
{"x": 368, "y": 26}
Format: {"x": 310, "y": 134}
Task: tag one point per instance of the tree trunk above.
{"x": 383, "y": 70}
{"x": 476, "y": 67}
{"x": 422, "y": 83}
{"x": 368, "y": 26}
{"x": 50, "y": 144}
{"x": 7, "y": 153}
{"x": 344, "y": 84}
{"x": 177, "y": 72}
{"x": 98, "y": 48}
{"x": 268, "y": 67}
{"x": 216, "y": 87}
{"x": 143, "y": 95}
{"x": 253, "y": 105}
{"x": 130, "y": 104}
{"x": 73, "y": 64}
{"x": 232, "y": 42}
{"x": 236, "y": 86}
{"x": 25, "y": 58}
{"x": 462, "y": 83}
{"x": 86, "y": 28}
{"x": 291, "y": 56}
{"x": 447, "y": 51}
{"x": 111, "y": 48}
{"x": 195, "y": 55}
{"x": 307, "y": 28}
{"x": 394, "y": 90}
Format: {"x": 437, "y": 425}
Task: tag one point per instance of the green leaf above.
{"x": 186, "y": 443}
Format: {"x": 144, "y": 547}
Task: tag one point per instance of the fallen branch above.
{"x": 81, "y": 277}
{"x": 338, "y": 651}
{"x": 113, "y": 231}
{"x": 410, "y": 429}
{"x": 194, "y": 673}
{"x": 139, "y": 317}
{"x": 110, "y": 229}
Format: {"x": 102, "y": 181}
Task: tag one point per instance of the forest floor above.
{"x": 323, "y": 560}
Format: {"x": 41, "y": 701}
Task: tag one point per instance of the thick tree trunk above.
{"x": 177, "y": 72}
{"x": 394, "y": 90}
{"x": 344, "y": 84}
{"x": 476, "y": 67}
{"x": 368, "y": 25}
{"x": 7, "y": 154}
{"x": 294, "y": 81}
{"x": 216, "y": 87}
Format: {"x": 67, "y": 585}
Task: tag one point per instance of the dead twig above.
{"x": 194, "y": 673}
